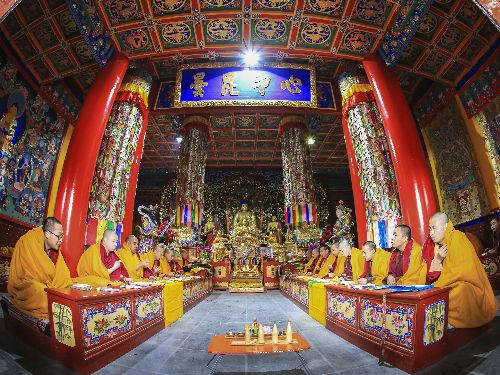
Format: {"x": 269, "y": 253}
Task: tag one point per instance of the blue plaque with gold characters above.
{"x": 222, "y": 84}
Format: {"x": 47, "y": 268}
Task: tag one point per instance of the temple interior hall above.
{"x": 283, "y": 187}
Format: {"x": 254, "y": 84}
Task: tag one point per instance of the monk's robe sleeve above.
{"x": 380, "y": 266}
{"x": 339, "y": 268}
{"x": 31, "y": 271}
{"x": 357, "y": 263}
{"x": 324, "y": 268}
{"x": 307, "y": 265}
{"x": 91, "y": 270}
{"x": 417, "y": 269}
{"x": 130, "y": 261}
{"x": 165, "y": 267}
{"x": 472, "y": 302}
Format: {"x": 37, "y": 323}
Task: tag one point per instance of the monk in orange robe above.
{"x": 406, "y": 266}
{"x": 376, "y": 264}
{"x": 101, "y": 262}
{"x": 335, "y": 255}
{"x": 351, "y": 264}
{"x": 173, "y": 261}
{"x": 184, "y": 260}
{"x": 36, "y": 264}
{"x": 311, "y": 264}
{"x": 324, "y": 253}
{"x": 160, "y": 267}
{"x": 452, "y": 261}
{"x": 130, "y": 258}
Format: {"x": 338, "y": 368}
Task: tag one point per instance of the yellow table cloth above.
{"x": 317, "y": 302}
{"x": 172, "y": 301}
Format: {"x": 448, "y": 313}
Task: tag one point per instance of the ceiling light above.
{"x": 311, "y": 141}
{"x": 251, "y": 57}
{"x": 178, "y": 139}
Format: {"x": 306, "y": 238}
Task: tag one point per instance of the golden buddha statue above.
{"x": 244, "y": 222}
{"x": 274, "y": 230}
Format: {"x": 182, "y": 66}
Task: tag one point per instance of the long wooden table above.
{"x": 220, "y": 346}
{"x": 89, "y": 329}
{"x": 407, "y": 330}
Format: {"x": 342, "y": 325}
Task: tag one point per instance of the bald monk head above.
{"x": 169, "y": 255}
{"x": 335, "y": 249}
{"x": 132, "y": 243}
{"x": 437, "y": 227}
{"x": 109, "y": 240}
{"x": 401, "y": 236}
{"x": 324, "y": 251}
{"x": 315, "y": 253}
{"x": 53, "y": 233}
{"x": 368, "y": 249}
{"x": 159, "y": 251}
{"x": 345, "y": 247}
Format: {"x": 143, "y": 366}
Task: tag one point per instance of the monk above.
{"x": 351, "y": 265}
{"x": 184, "y": 261}
{"x": 335, "y": 252}
{"x": 324, "y": 253}
{"x": 130, "y": 258}
{"x": 172, "y": 259}
{"x": 36, "y": 264}
{"x": 376, "y": 264}
{"x": 327, "y": 260}
{"x": 311, "y": 264}
{"x": 452, "y": 262}
{"x": 406, "y": 266}
{"x": 160, "y": 268}
{"x": 101, "y": 262}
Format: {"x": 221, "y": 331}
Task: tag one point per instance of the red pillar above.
{"x": 359, "y": 204}
{"x": 413, "y": 177}
{"x": 132, "y": 187}
{"x": 76, "y": 178}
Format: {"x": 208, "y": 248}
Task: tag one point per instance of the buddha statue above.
{"x": 274, "y": 230}
{"x": 244, "y": 222}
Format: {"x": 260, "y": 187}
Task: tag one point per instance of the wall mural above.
{"x": 461, "y": 188}
{"x": 30, "y": 137}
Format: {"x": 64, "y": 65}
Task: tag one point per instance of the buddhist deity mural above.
{"x": 30, "y": 136}
{"x": 460, "y": 186}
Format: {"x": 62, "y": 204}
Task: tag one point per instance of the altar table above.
{"x": 220, "y": 346}
{"x": 90, "y": 329}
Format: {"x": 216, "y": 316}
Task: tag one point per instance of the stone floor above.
{"x": 181, "y": 349}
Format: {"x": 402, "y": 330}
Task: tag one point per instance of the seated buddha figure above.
{"x": 244, "y": 222}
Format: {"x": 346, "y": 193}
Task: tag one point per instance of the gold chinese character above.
{"x": 198, "y": 84}
{"x": 292, "y": 85}
{"x": 261, "y": 82}
{"x": 228, "y": 85}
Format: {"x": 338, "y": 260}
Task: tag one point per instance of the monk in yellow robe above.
{"x": 100, "y": 264}
{"x": 452, "y": 262}
{"x": 407, "y": 267}
{"x": 324, "y": 254}
{"x": 36, "y": 264}
{"x": 351, "y": 265}
{"x": 376, "y": 264}
{"x": 130, "y": 258}
{"x": 311, "y": 264}
{"x": 335, "y": 254}
{"x": 327, "y": 264}
{"x": 159, "y": 265}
